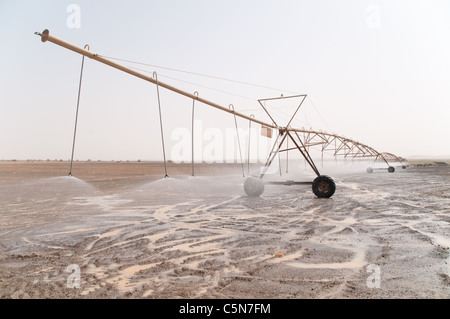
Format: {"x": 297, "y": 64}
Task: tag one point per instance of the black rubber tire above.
{"x": 323, "y": 186}
{"x": 253, "y": 187}
{"x": 391, "y": 169}
{"x": 369, "y": 170}
{"x": 404, "y": 167}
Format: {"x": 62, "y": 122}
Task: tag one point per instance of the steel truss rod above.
{"x": 304, "y": 154}
{"x": 345, "y": 148}
{"x": 273, "y": 154}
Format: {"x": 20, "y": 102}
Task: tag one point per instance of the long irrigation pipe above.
{"x": 46, "y": 36}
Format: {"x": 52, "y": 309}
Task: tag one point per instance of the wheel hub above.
{"x": 323, "y": 187}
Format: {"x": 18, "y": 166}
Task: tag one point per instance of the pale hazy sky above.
{"x": 375, "y": 71}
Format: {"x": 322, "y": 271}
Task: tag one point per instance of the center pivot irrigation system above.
{"x": 323, "y": 186}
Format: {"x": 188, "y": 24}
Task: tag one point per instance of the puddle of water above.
{"x": 107, "y": 202}
{"x": 358, "y": 261}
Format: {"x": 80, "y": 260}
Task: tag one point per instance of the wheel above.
{"x": 253, "y": 187}
{"x": 323, "y": 187}
{"x": 369, "y": 170}
{"x": 391, "y": 169}
{"x": 404, "y": 167}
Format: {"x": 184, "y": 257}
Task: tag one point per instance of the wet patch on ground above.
{"x": 380, "y": 236}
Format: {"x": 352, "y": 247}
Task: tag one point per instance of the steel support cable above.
{"x": 200, "y": 74}
{"x": 76, "y": 113}
{"x": 218, "y": 78}
{"x": 206, "y": 87}
{"x": 155, "y": 76}
{"x": 196, "y": 84}
{"x": 239, "y": 142}
{"x": 320, "y": 115}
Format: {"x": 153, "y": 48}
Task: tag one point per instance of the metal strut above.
{"x": 155, "y": 75}
{"x": 76, "y": 114}
{"x": 231, "y": 106}
{"x": 192, "y": 133}
{"x": 249, "y": 139}
{"x": 305, "y": 154}
{"x": 273, "y": 153}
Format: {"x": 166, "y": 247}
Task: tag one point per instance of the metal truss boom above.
{"x": 341, "y": 146}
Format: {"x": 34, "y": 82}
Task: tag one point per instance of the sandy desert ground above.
{"x": 126, "y": 232}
